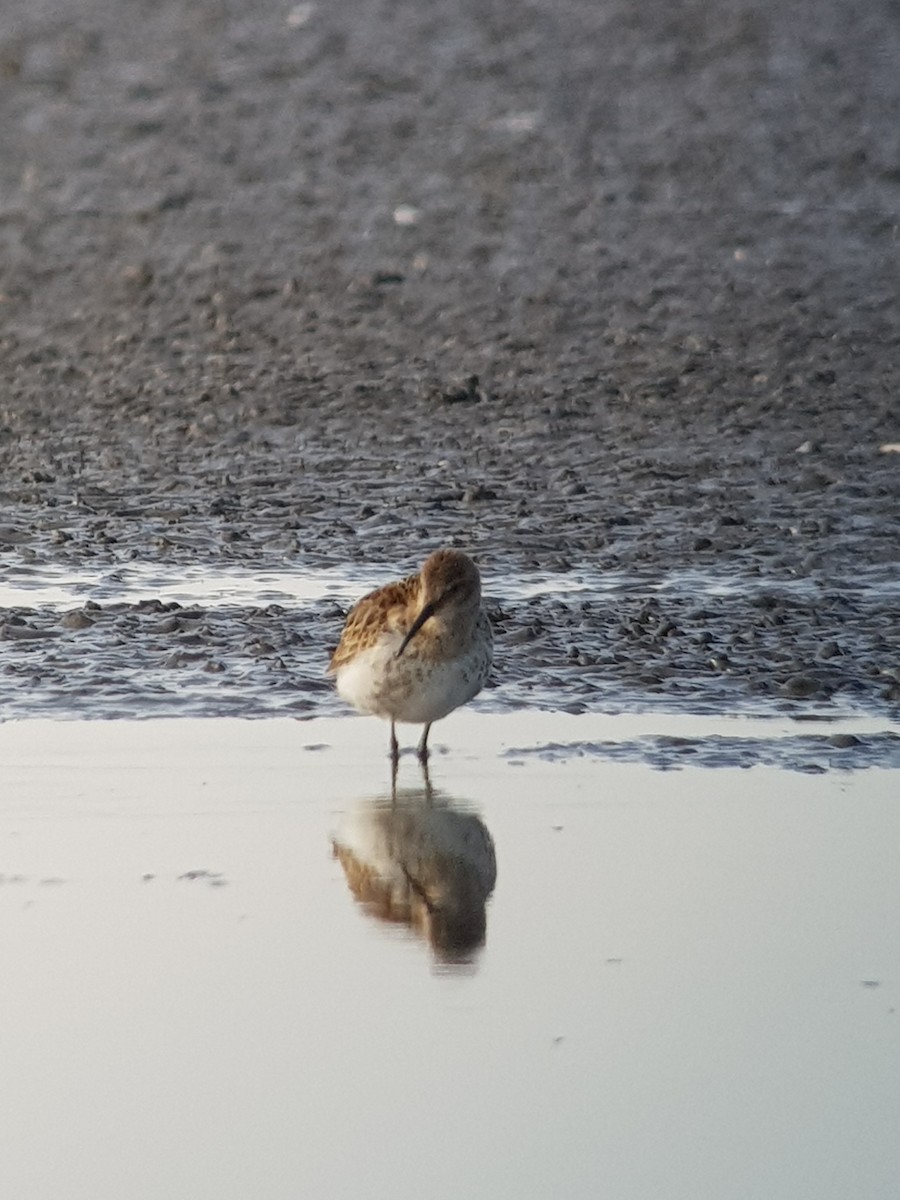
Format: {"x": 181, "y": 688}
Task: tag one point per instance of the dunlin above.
{"x": 414, "y": 650}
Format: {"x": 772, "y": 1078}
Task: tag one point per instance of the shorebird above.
{"x": 414, "y": 650}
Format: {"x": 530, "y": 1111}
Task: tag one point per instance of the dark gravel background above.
{"x": 253, "y": 255}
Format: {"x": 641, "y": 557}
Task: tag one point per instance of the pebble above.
{"x": 799, "y": 687}
{"x": 13, "y": 631}
{"x": 11, "y": 536}
{"x": 76, "y": 619}
{"x": 829, "y": 650}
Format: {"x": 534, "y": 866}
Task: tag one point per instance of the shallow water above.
{"x": 64, "y": 584}
{"x": 688, "y": 983}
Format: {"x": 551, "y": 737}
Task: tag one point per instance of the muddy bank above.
{"x": 770, "y": 654}
{"x": 584, "y": 288}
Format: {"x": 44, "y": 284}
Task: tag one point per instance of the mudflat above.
{"x": 604, "y": 293}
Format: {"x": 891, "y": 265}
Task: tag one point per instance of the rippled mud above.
{"x": 573, "y": 651}
{"x": 812, "y": 754}
{"x": 308, "y": 292}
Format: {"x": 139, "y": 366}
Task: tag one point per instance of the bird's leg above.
{"x": 429, "y": 791}
{"x": 395, "y": 762}
{"x": 422, "y": 749}
{"x": 395, "y": 748}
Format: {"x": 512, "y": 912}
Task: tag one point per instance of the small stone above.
{"x": 139, "y": 275}
{"x": 467, "y": 392}
{"x": 799, "y": 687}
{"x": 829, "y": 650}
{"x": 844, "y": 741}
{"x": 169, "y": 625}
{"x": 300, "y": 15}
{"x": 76, "y": 619}
{"x": 476, "y": 492}
{"x": 406, "y": 214}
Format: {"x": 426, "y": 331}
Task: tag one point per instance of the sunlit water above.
{"x": 47, "y": 585}
{"x": 688, "y": 982}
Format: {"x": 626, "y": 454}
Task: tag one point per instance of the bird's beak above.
{"x": 427, "y": 611}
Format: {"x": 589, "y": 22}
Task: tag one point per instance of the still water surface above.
{"x": 689, "y": 983}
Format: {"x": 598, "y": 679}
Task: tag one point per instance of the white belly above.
{"x": 410, "y": 689}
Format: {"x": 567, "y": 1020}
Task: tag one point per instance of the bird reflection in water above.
{"x": 418, "y": 859}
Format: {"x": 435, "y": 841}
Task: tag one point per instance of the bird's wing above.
{"x": 381, "y": 610}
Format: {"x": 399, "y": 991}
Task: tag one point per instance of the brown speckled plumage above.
{"x": 416, "y": 649}
{"x": 388, "y": 607}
